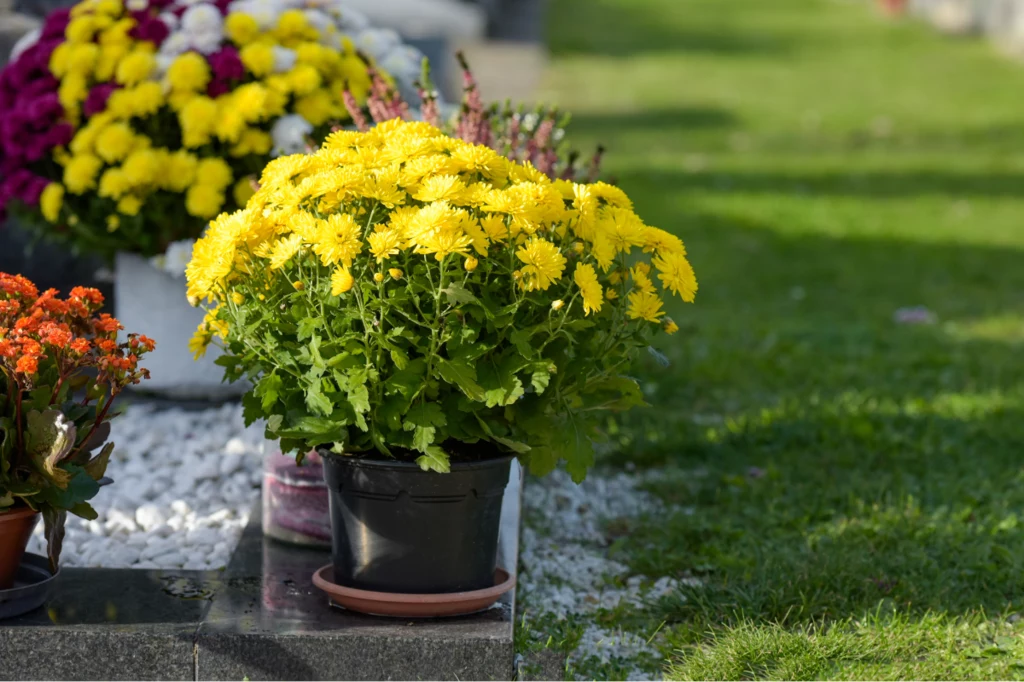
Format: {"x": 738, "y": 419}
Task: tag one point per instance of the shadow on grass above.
{"x": 843, "y": 460}
{"x": 614, "y": 29}
{"x": 874, "y": 184}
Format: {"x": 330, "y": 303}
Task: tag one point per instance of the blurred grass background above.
{"x": 856, "y": 482}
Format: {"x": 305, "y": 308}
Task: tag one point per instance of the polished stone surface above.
{"x": 269, "y": 622}
{"x": 110, "y": 624}
{"x": 261, "y": 618}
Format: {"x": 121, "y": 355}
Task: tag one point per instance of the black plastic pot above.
{"x": 397, "y": 528}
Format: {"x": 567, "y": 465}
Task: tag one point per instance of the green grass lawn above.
{"x": 858, "y": 485}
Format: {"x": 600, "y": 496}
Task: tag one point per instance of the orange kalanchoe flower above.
{"x": 61, "y": 368}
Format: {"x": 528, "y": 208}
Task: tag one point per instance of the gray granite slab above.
{"x": 110, "y": 624}
{"x": 260, "y": 618}
{"x": 270, "y": 622}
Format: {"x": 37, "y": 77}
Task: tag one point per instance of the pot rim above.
{"x": 17, "y": 512}
{"x": 393, "y": 464}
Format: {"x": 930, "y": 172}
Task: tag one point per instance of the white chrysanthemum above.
{"x": 170, "y": 20}
{"x": 289, "y": 134}
{"x": 202, "y": 18}
{"x": 208, "y": 42}
{"x": 403, "y": 62}
{"x": 377, "y": 42}
{"x": 349, "y": 19}
{"x": 319, "y": 20}
{"x": 284, "y": 59}
{"x": 175, "y": 44}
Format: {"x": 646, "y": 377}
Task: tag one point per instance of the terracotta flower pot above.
{"x": 15, "y": 529}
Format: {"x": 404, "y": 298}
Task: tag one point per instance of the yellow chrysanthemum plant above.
{"x": 401, "y": 293}
{"x": 129, "y": 124}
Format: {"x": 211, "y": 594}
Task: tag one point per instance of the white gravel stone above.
{"x": 184, "y": 484}
{"x": 565, "y": 570}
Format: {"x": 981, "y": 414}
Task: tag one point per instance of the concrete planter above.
{"x": 152, "y": 302}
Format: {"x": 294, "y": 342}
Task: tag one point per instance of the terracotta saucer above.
{"x": 413, "y": 605}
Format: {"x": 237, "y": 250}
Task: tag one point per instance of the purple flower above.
{"x": 149, "y": 28}
{"x": 56, "y": 22}
{"x": 217, "y": 87}
{"x": 97, "y": 99}
{"x": 226, "y": 64}
{"x": 44, "y": 109}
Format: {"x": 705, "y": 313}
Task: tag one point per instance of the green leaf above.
{"x": 85, "y": 511}
{"x": 578, "y": 449}
{"x": 501, "y": 385}
{"x": 423, "y": 438}
{"x": 540, "y": 379}
{"x": 458, "y": 294}
{"x": 542, "y": 461}
{"x": 462, "y": 375}
{"x": 53, "y": 522}
{"x": 97, "y": 466}
{"x": 513, "y": 445}
{"x": 306, "y": 328}
{"x": 425, "y": 414}
{"x": 49, "y": 438}
{"x": 268, "y": 389}
{"x": 317, "y": 402}
{"x": 435, "y": 459}
{"x": 399, "y": 357}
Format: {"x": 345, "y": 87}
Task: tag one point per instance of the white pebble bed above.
{"x": 184, "y": 484}
{"x": 565, "y": 569}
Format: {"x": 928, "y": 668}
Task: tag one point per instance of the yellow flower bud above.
{"x": 669, "y": 326}
{"x": 341, "y": 281}
{"x": 237, "y": 297}
{"x": 610, "y": 294}
{"x": 378, "y": 277}
{"x": 557, "y": 305}
{"x": 113, "y": 222}
{"x": 471, "y": 264}
{"x": 395, "y": 273}
{"x": 299, "y": 285}
{"x": 615, "y": 277}
{"x": 577, "y": 247}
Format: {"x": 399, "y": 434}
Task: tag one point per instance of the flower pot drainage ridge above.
{"x": 400, "y": 605}
{"x": 33, "y": 585}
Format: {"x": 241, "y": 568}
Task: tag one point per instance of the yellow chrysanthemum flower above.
{"x": 213, "y": 171}
{"x": 341, "y": 281}
{"x": 641, "y": 282}
{"x": 51, "y": 200}
{"x": 129, "y": 205}
{"x": 338, "y": 240}
{"x": 644, "y": 305}
{"x": 384, "y": 243}
{"x": 181, "y": 171}
{"x": 284, "y": 250}
{"x": 203, "y": 201}
{"x": 241, "y": 28}
{"x": 80, "y": 173}
{"x": 258, "y": 58}
{"x": 114, "y": 142}
{"x": 135, "y": 67}
{"x": 189, "y": 73}
{"x": 440, "y": 188}
{"x": 544, "y": 264}
{"x": 676, "y": 274}
{"x": 586, "y": 279}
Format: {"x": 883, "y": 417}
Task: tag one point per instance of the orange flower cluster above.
{"x": 46, "y": 338}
